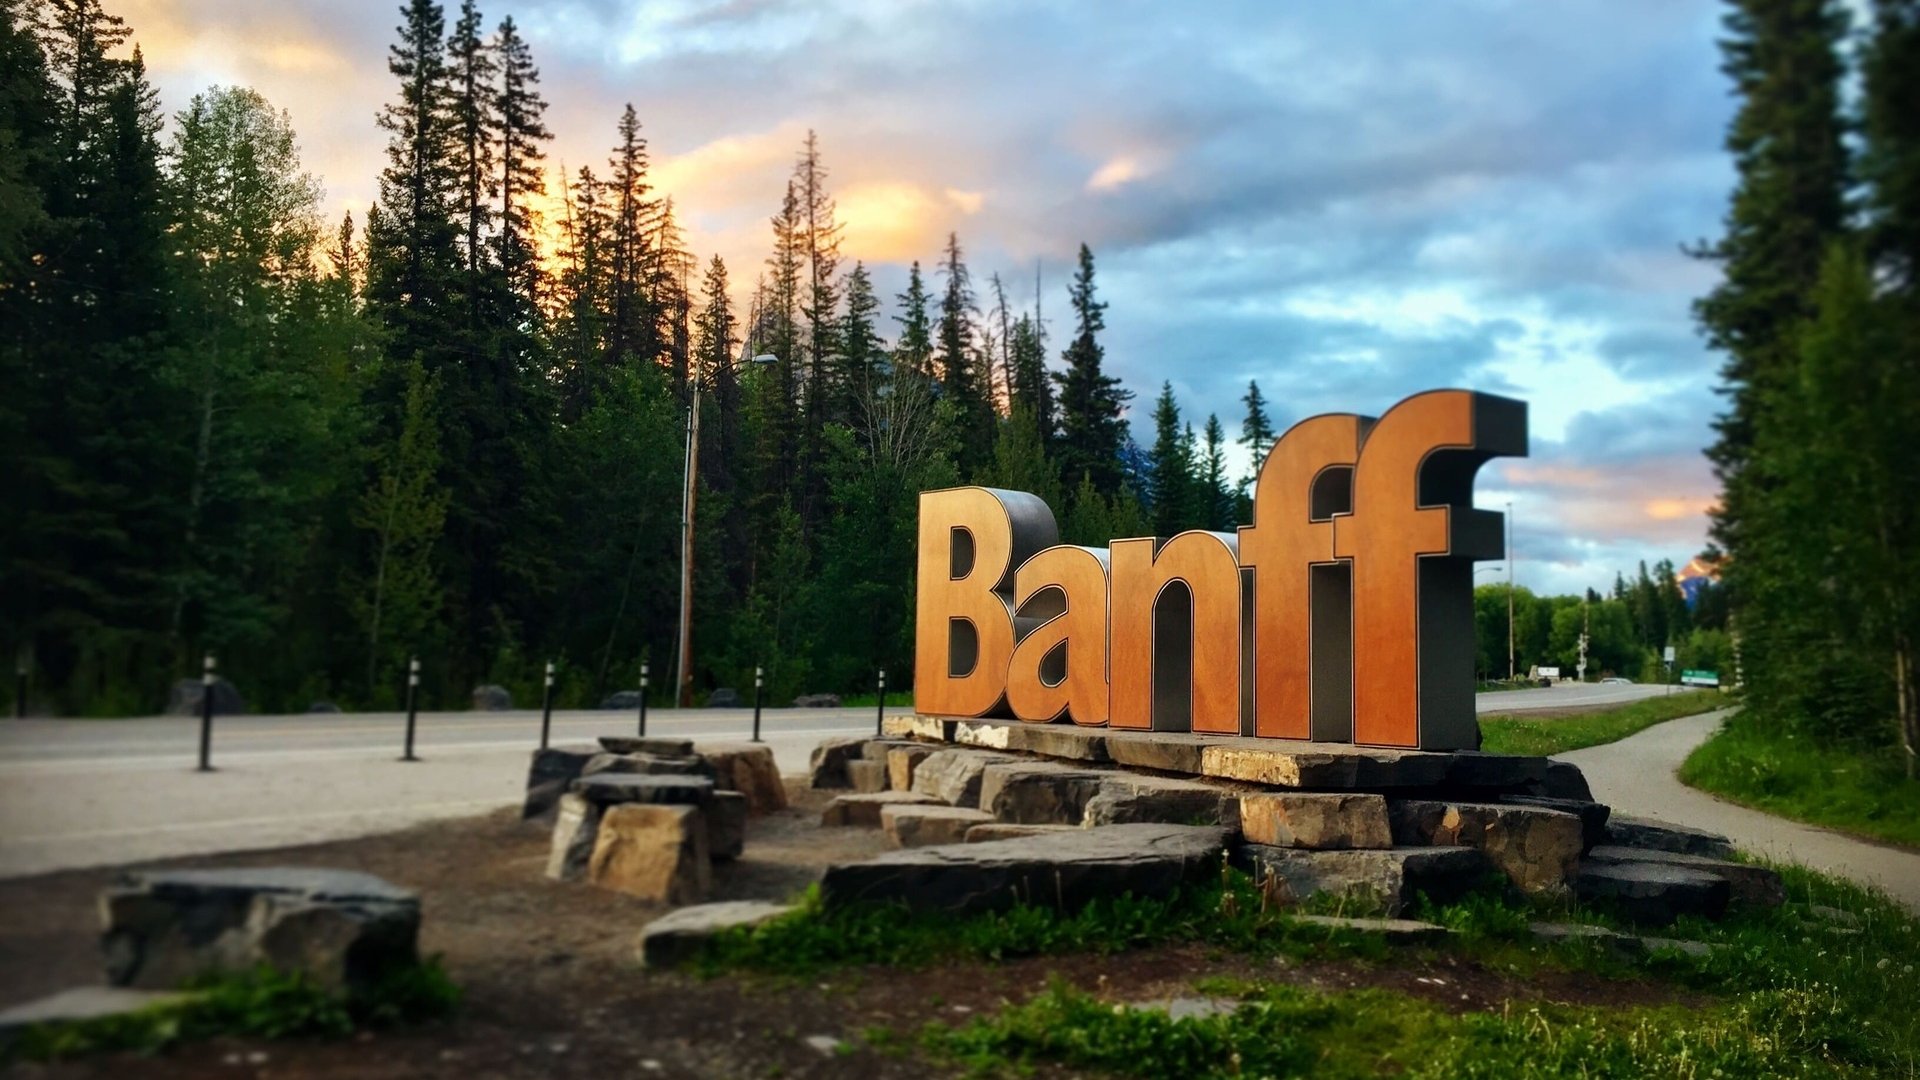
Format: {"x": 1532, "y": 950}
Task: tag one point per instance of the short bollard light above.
{"x": 759, "y": 682}
{"x": 206, "y": 713}
{"x": 880, "y": 710}
{"x": 546, "y": 708}
{"x": 413, "y": 689}
{"x": 643, "y": 701}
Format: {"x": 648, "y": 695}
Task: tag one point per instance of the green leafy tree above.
{"x": 397, "y": 602}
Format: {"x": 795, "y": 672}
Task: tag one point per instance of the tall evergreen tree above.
{"x": 632, "y": 336}
{"x": 1091, "y": 401}
{"x": 521, "y": 113}
{"x": 913, "y": 350}
{"x": 1031, "y": 389}
{"x": 1220, "y": 501}
{"x": 471, "y": 70}
{"x": 863, "y": 354}
{"x": 962, "y": 382}
{"x": 1890, "y": 154}
{"x": 1170, "y": 481}
{"x": 1256, "y": 432}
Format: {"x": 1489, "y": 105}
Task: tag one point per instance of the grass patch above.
{"x": 263, "y": 1003}
{"x": 1798, "y": 778}
{"x": 1785, "y": 994}
{"x": 1557, "y": 734}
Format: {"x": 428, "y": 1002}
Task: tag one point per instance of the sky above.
{"x": 1347, "y": 202}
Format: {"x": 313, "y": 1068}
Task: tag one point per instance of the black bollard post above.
{"x": 880, "y": 711}
{"x": 206, "y": 713}
{"x": 643, "y": 700}
{"x": 413, "y": 687}
{"x": 759, "y": 681}
{"x": 546, "y": 708}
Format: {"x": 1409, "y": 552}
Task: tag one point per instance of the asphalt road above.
{"x": 1636, "y": 776}
{"x": 101, "y": 792}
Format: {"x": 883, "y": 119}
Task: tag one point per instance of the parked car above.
{"x": 1617, "y": 679}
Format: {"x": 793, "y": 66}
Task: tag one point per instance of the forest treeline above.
{"x": 454, "y": 429}
{"x": 1818, "y": 318}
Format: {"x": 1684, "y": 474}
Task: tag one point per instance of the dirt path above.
{"x": 1636, "y": 776}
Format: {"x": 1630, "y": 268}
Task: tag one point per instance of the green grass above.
{"x": 263, "y": 1003}
{"x": 1794, "y": 777}
{"x": 1557, "y": 734}
{"x": 1784, "y": 995}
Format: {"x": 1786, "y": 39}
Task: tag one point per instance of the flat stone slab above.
{"x": 84, "y": 1003}
{"x": 1625, "y": 830}
{"x": 1535, "y": 847}
{"x": 548, "y": 773}
{"x": 341, "y": 927}
{"x": 680, "y": 936}
{"x": 647, "y": 744}
{"x": 953, "y": 775}
{"x": 1061, "y": 870}
{"x": 1630, "y": 944}
{"x": 1395, "y": 931}
{"x": 1746, "y": 882}
{"x": 1593, "y": 816}
{"x": 611, "y": 789}
{"x": 645, "y": 765}
{"x": 929, "y": 826}
{"x": 1393, "y": 879}
{"x": 863, "y": 810}
{"x": 1001, "y": 830}
{"x": 1652, "y": 893}
{"x": 1127, "y": 797}
{"x": 1268, "y": 762}
{"x": 1040, "y": 792}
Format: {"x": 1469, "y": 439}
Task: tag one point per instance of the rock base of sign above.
{"x": 648, "y": 816}
{"x": 680, "y": 936}
{"x": 340, "y": 928}
{"x": 1378, "y": 825}
{"x": 1060, "y": 870}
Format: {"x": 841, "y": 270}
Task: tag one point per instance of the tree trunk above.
{"x": 196, "y": 496}
{"x": 1906, "y": 701}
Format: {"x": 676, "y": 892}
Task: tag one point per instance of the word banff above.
{"x": 1344, "y": 613}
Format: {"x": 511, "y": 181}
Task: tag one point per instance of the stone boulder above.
{"x": 954, "y": 776}
{"x": 680, "y": 936}
{"x": 727, "y": 825}
{"x": 928, "y": 826}
{"x": 1747, "y": 883}
{"x": 1391, "y": 880}
{"x": 1039, "y": 792}
{"x": 827, "y": 768}
{"x": 1625, "y": 830}
{"x": 1650, "y": 892}
{"x": 1593, "y": 816}
{"x": 346, "y": 930}
{"x": 866, "y": 776}
{"x": 548, "y": 775}
{"x": 622, "y": 701}
{"x": 1060, "y": 870}
{"x": 647, "y": 744}
{"x": 1564, "y": 780}
{"x": 901, "y": 761}
{"x": 1128, "y": 798}
{"x": 817, "y": 701}
{"x": 1538, "y": 849}
{"x": 491, "y": 698}
{"x": 863, "y": 810}
{"x": 725, "y": 697}
{"x": 655, "y": 852}
{"x": 749, "y": 769}
{"x": 186, "y": 696}
{"x": 609, "y": 789}
{"x": 576, "y": 825}
{"x": 1312, "y": 820}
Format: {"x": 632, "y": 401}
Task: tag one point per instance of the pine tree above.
{"x": 1890, "y": 154}
{"x": 1170, "y": 482}
{"x": 961, "y": 380}
{"x": 913, "y": 350}
{"x": 1256, "y": 432}
{"x": 631, "y": 326}
{"x": 782, "y": 337}
{"x": 581, "y": 325}
{"x": 412, "y": 254}
{"x": 1220, "y": 503}
{"x": 521, "y": 113}
{"x": 1031, "y": 388}
{"x": 1091, "y": 401}
{"x": 471, "y": 70}
{"x": 821, "y": 301}
{"x": 863, "y": 357}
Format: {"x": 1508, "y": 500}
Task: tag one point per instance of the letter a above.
{"x": 970, "y": 541}
{"x": 1060, "y": 666}
{"x": 1413, "y": 536}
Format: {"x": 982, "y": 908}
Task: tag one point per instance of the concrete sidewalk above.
{"x": 1636, "y": 776}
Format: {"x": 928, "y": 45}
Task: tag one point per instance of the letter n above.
{"x": 970, "y": 541}
{"x": 1175, "y": 659}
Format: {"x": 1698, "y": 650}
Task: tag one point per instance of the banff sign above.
{"x": 1343, "y": 613}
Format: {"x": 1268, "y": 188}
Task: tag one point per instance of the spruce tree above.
{"x": 1890, "y": 152}
{"x": 961, "y": 380}
{"x": 913, "y": 350}
{"x": 1032, "y": 390}
{"x": 632, "y": 336}
{"x": 471, "y": 70}
{"x": 521, "y": 113}
{"x": 863, "y": 354}
{"x": 1256, "y": 432}
{"x": 1091, "y": 401}
{"x": 1220, "y": 503}
{"x": 1170, "y": 479}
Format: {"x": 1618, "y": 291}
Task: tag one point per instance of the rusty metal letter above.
{"x": 1413, "y": 535}
{"x": 1175, "y": 659}
{"x": 971, "y": 539}
{"x": 1302, "y": 666}
{"x": 1060, "y": 667}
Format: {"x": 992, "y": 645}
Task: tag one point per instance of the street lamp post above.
{"x": 682, "y": 692}
{"x": 1511, "y": 672}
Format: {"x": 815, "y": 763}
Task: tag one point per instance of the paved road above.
{"x": 100, "y": 792}
{"x": 1568, "y": 695}
{"x": 1636, "y": 775}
